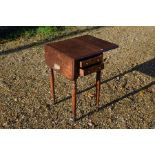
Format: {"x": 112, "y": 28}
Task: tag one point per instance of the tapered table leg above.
{"x": 74, "y": 91}
{"x": 51, "y": 77}
{"x": 98, "y": 86}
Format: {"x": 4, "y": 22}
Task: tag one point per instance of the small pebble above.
{"x": 15, "y": 99}
{"x": 118, "y": 78}
{"x": 90, "y": 124}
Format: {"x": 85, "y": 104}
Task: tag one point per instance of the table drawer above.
{"x": 89, "y": 70}
{"x": 91, "y": 61}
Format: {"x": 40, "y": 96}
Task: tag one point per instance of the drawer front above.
{"x": 89, "y": 70}
{"x": 91, "y": 61}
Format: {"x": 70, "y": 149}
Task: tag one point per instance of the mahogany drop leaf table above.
{"x": 77, "y": 57}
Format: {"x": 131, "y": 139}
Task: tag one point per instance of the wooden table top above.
{"x": 82, "y": 47}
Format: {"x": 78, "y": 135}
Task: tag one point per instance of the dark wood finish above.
{"x": 76, "y": 57}
{"x": 68, "y": 53}
{"x": 74, "y": 92}
{"x": 82, "y": 47}
{"x": 91, "y": 61}
{"x": 51, "y": 77}
{"x": 98, "y": 87}
{"x": 65, "y": 63}
{"x": 91, "y": 69}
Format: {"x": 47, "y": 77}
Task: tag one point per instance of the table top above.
{"x": 82, "y": 47}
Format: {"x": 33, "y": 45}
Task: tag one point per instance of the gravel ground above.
{"x": 127, "y": 90}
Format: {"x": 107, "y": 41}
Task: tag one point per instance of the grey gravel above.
{"x": 127, "y": 100}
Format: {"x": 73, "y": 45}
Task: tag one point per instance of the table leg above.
{"x": 98, "y": 85}
{"x": 74, "y": 91}
{"x": 52, "y": 92}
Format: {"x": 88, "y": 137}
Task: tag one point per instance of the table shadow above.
{"x": 147, "y": 68}
{"x": 102, "y": 107}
